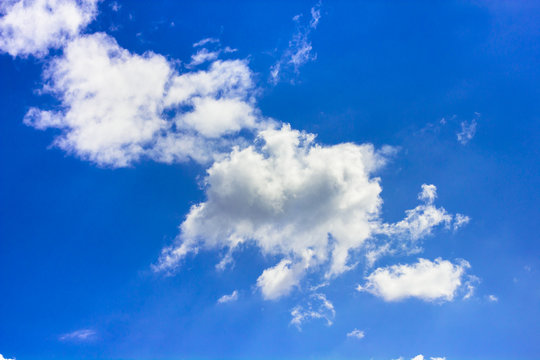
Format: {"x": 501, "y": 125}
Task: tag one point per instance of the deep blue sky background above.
{"x": 77, "y": 241}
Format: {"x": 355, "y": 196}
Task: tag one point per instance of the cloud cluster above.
{"x": 32, "y": 27}
{"x": 313, "y": 208}
{"x": 117, "y": 107}
{"x": 311, "y": 205}
{"x": 426, "y": 280}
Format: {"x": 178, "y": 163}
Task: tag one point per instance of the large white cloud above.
{"x": 310, "y": 205}
{"x": 426, "y": 280}
{"x": 31, "y": 27}
{"x": 117, "y": 107}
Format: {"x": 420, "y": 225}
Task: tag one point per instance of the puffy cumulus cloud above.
{"x": 228, "y": 298}
{"x": 318, "y": 307}
{"x": 117, "y": 107}
{"x": 286, "y": 194}
{"x": 299, "y": 51}
{"x": 426, "y": 280}
{"x": 310, "y": 205}
{"x": 4, "y": 358}
{"x": 32, "y": 27}
{"x": 357, "y": 334}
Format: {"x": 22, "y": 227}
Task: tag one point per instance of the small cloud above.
{"x": 358, "y": 334}
{"x": 300, "y": 49}
{"x": 468, "y": 130}
{"x": 206, "y": 41}
{"x": 3, "y": 358}
{"x": 78, "y": 335}
{"x": 115, "y": 6}
{"x": 460, "y": 220}
{"x": 426, "y": 280}
{"x": 492, "y": 298}
{"x": 228, "y": 298}
{"x": 203, "y": 56}
{"x": 318, "y": 308}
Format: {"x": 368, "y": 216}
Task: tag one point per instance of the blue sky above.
{"x": 262, "y": 180}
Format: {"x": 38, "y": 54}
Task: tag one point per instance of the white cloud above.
{"x": 203, "y": 56}
{"x": 469, "y": 286}
{"x": 468, "y": 130}
{"x": 31, "y": 27}
{"x": 438, "y": 358}
{"x": 418, "y": 357}
{"x": 228, "y": 298}
{"x": 3, "y": 358}
{"x": 420, "y": 221}
{"x": 426, "y": 280}
{"x": 79, "y": 335}
{"x": 492, "y": 298}
{"x": 309, "y": 204}
{"x": 319, "y": 307}
{"x": 300, "y": 49}
{"x": 286, "y": 194}
{"x": 118, "y": 107}
{"x": 206, "y": 41}
{"x": 358, "y": 334}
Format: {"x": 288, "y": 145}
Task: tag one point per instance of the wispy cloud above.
{"x": 468, "y": 130}
{"x": 358, "y": 334}
{"x": 79, "y": 335}
{"x": 300, "y": 49}
{"x": 228, "y": 298}
{"x": 318, "y": 307}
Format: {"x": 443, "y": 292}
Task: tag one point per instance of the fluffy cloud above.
{"x": 79, "y": 335}
{"x": 309, "y": 204}
{"x": 358, "y": 334}
{"x": 299, "y": 51}
{"x": 228, "y": 298}
{"x": 426, "y": 280}
{"x": 31, "y": 27}
{"x": 117, "y": 107}
{"x": 286, "y": 194}
{"x": 3, "y": 358}
{"x": 319, "y": 307}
